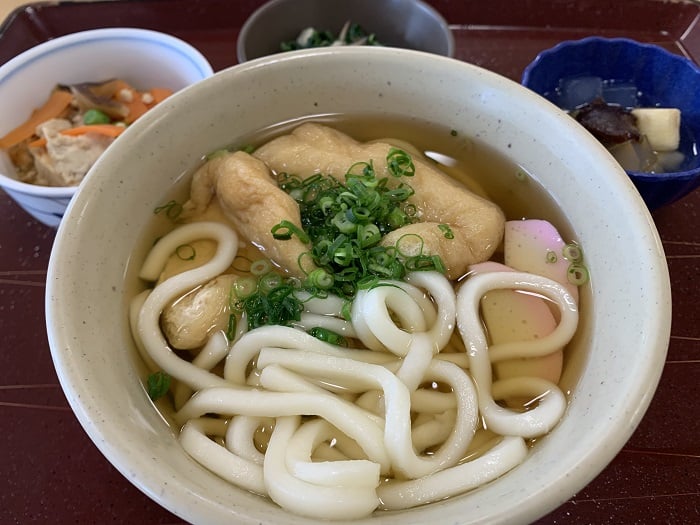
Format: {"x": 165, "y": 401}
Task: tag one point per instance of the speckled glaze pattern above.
{"x": 53, "y": 473}
{"x": 143, "y": 57}
{"x": 629, "y": 306}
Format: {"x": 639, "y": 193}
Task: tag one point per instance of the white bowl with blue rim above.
{"x": 144, "y": 58}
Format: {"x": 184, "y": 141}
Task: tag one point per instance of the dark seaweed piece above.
{"x": 609, "y": 123}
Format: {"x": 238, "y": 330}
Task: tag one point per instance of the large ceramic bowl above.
{"x": 662, "y": 79}
{"x": 613, "y": 365}
{"x": 142, "y": 57}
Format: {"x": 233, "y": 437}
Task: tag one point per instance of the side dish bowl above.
{"x": 663, "y": 79}
{"x": 411, "y": 24}
{"x": 613, "y": 366}
{"x": 142, "y": 57}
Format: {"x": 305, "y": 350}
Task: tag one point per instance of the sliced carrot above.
{"x": 118, "y": 84}
{"x": 109, "y": 130}
{"x": 136, "y": 108}
{"x": 159, "y": 94}
{"x": 54, "y": 106}
{"x": 38, "y": 143}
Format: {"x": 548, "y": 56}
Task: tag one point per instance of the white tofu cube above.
{"x": 662, "y": 127}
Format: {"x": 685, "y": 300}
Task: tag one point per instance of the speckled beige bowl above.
{"x": 619, "y": 352}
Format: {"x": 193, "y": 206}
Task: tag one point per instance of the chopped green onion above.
{"x": 278, "y": 307}
{"x": 231, "y": 328}
{"x": 320, "y": 278}
{"x": 328, "y": 336}
{"x": 345, "y": 223}
{"x": 186, "y": 252}
{"x": 447, "y": 231}
{"x": 157, "y": 385}
{"x": 368, "y": 235}
{"x": 572, "y": 252}
{"x": 244, "y": 287}
{"x": 551, "y": 257}
{"x": 285, "y": 229}
{"x": 172, "y": 209}
{"x": 346, "y": 310}
{"x": 577, "y": 274}
{"x": 404, "y": 243}
{"x": 342, "y": 223}
{"x": 260, "y": 267}
{"x": 269, "y": 282}
{"x": 400, "y": 163}
{"x": 217, "y": 153}
{"x": 247, "y": 148}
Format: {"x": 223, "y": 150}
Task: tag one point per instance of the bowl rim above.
{"x": 684, "y": 61}
{"x": 272, "y": 4}
{"x": 86, "y": 37}
{"x": 631, "y": 409}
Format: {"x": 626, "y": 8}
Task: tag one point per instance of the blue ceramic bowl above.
{"x": 662, "y": 79}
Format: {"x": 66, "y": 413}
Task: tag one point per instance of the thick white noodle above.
{"x": 373, "y": 322}
{"x": 249, "y": 345}
{"x": 337, "y": 325}
{"x": 240, "y": 437}
{"x": 552, "y": 403}
{"x": 434, "y": 431}
{"x": 423, "y": 331}
{"x": 194, "y": 438}
{"x": 213, "y": 353}
{"x": 330, "y": 305}
{"x": 345, "y": 473}
{"x": 509, "y": 453}
{"x": 149, "y": 326}
{"x": 397, "y": 430}
{"x": 134, "y": 312}
{"x": 378, "y": 410}
{"x": 234, "y": 400}
{"x": 307, "y": 499}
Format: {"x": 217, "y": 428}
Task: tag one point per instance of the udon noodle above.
{"x": 424, "y": 396}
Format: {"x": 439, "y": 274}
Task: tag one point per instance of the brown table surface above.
{"x": 50, "y": 472}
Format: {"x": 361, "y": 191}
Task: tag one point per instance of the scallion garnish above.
{"x": 269, "y": 281}
{"x": 400, "y": 163}
{"x": 244, "y": 287}
{"x": 551, "y": 257}
{"x": 231, "y": 327}
{"x": 172, "y": 209}
{"x": 345, "y": 223}
{"x": 260, "y": 267}
{"x": 328, "y": 336}
{"x": 446, "y": 231}
{"x": 279, "y": 306}
{"x": 157, "y": 384}
{"x": 572, "y": 252}
{"x": 321, "y": 279}
{"x": 285, "y": 229}
{"x": 185, "y": 252}
{"x": 577, "y": 274}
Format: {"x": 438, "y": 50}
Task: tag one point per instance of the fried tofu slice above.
{"x": 476, "y": 224}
